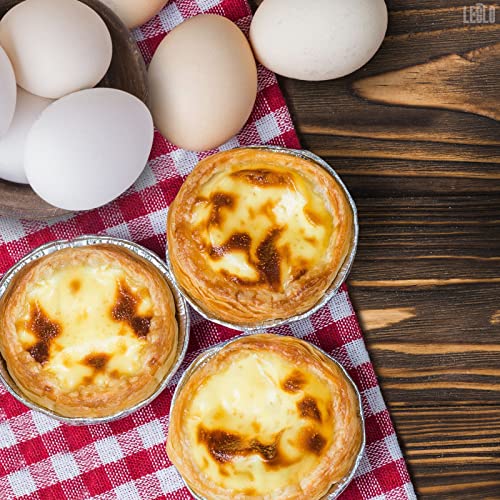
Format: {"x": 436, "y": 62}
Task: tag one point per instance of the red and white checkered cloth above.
{"x": 41, "y": 458}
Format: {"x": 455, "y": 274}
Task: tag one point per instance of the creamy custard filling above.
{"x": 259, "y": 223}
{"x": 260, "y": 424}
{"x": 86, "y": 325}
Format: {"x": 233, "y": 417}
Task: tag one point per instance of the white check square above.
{"x": 302, "y": 328}
{"x": 340, "y": 308}
{"x": 127, "y": 491}
{"x": 170, "y": 17}
{"x": 357, "y": 352}
{"x": 7, "y": 437}
{"x": 22, "y": 482}
{"x": 43, "y": 423}
{"x": 109, "y": 450}
{"x": 268, "y": 128}
{"x": 170, "y": 480}
{"x": 375, "y": 400}
{"x": 393, "y": 446}
{"x": 10, "y": 230}
{"x": 207, "y": 4}
{"x": 152, "y": 433}
{"x": 65, "y": 466}
{"x": 184, "y": 161}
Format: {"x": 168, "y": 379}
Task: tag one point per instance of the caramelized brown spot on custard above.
{"x": 312, "y": 217}
{"x": 40, "y": 352}
{"x": 294, "y": 382}
{"x": 224, "y": 447}
{"x": 308, "y": 408}
{"x": 268, "y": 452}
{"x": 312, "y": 441}
{"x": 45, "y": 329}
{"x": 264, "y": 177}
{"x": 125, "y": 310}
{"x": 269, "y": 259}
{"x": 238, "y": 241}
{"x": 97, "y": 361}
{"x": 219, "y": 201}
{"x": 141, "y": 326}
{"x": 75, "y": 286}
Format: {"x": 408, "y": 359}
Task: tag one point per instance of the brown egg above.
{"x": 203, "y": 83}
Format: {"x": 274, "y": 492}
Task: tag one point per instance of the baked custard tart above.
{"x": 265, "y": 417}
{"x": 88, "y": 332}
{"x": 256, "y": 235}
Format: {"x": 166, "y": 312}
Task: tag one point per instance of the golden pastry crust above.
{"x": 256, "y": 235}
{"x": 266, "y": 417}
{"x": 88, "y": 332}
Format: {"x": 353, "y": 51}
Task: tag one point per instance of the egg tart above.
{"x": 256, "y": 235}
{"x": 265, "y": 417}
{"x": 88, "y": 331}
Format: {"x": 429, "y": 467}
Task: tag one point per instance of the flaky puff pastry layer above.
{"x": 256, "y": 235}
{"x": 266, "y": 417}
{"x": 88, "y": 332}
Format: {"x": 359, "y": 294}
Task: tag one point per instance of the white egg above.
{"x": 7, "y": 92}
{"x": 56, "y": 46}
{"x": 89, "y": 147}
{"x": 28, "y": 109}
{"x": 317, "y": 39}
{"x": 136, "y": 12}
{"x": 202, "y": 83}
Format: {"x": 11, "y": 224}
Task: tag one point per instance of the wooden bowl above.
{"x": 127, "y": 72}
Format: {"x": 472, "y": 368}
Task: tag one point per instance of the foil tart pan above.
{"x": 183, "y": 321}
{"x": 332, "y": 289}
{"x": 205, "y": 356}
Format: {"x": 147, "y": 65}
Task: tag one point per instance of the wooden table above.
{"x": 419, "y": 148}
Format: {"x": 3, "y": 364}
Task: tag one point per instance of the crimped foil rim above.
{"x": 205, "y": 356}
{"x": 182, "y": 310}
{"x": 332, "y": 289}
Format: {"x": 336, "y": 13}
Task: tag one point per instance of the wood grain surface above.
{"x": 415, "y": 136}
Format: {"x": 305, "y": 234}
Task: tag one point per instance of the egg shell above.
{"x": 134, "y": 13}
{"x": 203, "y": 83}
{"x": 56, "y": 46}
{"x": 28, "y": 109}
{"x": 318, "y": 39}
{"x": 87, "y": 148}
{"x": 7, "y": 92}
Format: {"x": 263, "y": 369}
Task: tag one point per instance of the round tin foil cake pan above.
{"x": 332, "y": 289}
{"x": 204, "y": 357}
{"x": 86, "y": 241}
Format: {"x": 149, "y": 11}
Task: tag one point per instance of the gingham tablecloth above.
{"x": 41, "y": 458}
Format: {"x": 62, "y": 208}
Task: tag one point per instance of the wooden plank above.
{"x": 388, "y": 149}
{"x": 467, "y": 436}
{"x": 449, "y": 82}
